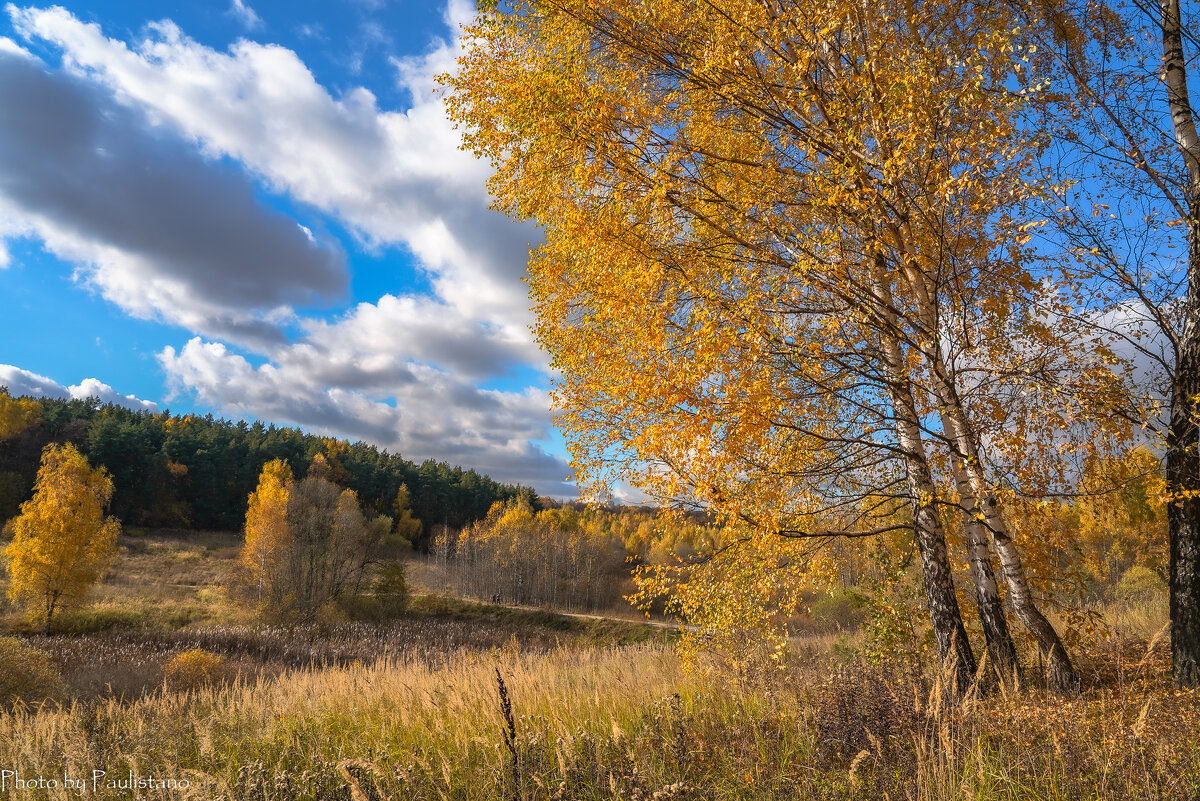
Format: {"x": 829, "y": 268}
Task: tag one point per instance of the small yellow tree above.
{"x": 268, "y": 538}
{"x": 61, "y": 539}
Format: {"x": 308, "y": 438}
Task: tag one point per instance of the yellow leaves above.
{"x": 61, "y": 539}
{"x": 715, "y": 184}
{"x": 1122, "y": 513}
{"x": 268, "y": 537}
{"x": 16, "y": 414}
{"x": 738, "y": 596}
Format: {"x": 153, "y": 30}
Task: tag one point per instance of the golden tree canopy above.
{"x": 268, "y": 537}
{"x": 741, "y": 201}
{"x": 62, "y": 541}
{"x": 785, "y": 257}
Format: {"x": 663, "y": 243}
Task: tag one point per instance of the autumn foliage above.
{"x": 307, "y": 544}
{"x": 16, "y": 414}
{"x": 787, "y": 276}
{"x": 557, "y": 558}
{"x": 268, "y": 537}
{"x": 62, "y": 540}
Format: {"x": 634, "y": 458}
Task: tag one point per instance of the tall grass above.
{"x": 625, "y": 723}
{"x": 421, "y": 731}
{"x": 412, "y": 710}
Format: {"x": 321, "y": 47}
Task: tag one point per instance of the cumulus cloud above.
{"x": 1147, "y": 353}
{"x": 157, "y": 228}
{"x": 23, "y": 382}
{"x": 13, "y": 49}
{"x": 364, "y": 347}
{"x": 393, "y": 177}
{"x": 95, "y": 388}
{"x": 431, "y": 413}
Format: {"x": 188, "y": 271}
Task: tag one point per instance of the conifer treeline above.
{"x": 193, "y": 472}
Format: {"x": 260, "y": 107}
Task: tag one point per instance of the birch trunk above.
{"x": 964, "y": 440}
{"x": 1183, "y": 435}
{"x": 953, "y": 644}
{"x": 954, "y": 647}
{"x": 1001, "y": 649}
{"x": 1060, "y": 674}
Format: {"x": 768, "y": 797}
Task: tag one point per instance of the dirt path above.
{"x": 658, "y": 624}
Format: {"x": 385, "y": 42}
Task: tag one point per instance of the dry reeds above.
{"x": 509, "y": 723}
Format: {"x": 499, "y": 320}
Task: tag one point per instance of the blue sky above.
{"x": 259, "y": 210}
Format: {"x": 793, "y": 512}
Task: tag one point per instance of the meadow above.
{"x": 458, "y": 700}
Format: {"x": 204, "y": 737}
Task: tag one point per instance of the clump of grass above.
{"x": 194, "y": 668}
{"x": 1140, "y": 583}
{"x": 838, "y": 610}
{"x": 27, "y": 675}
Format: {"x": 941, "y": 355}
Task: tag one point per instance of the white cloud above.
{"x": 11, "y": 48}
{"x": 95, "y": 388}
{"x": 245, "y": 15}
{"x": 433, "y": 415}
{"x": 368, "y": 343}
{"x": 156, "y": 228}
{"x": 458, "y": 13}
{"x": 393, "y": 177}
{"x": 23, "y": 382}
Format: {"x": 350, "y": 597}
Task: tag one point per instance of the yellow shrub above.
{"x": 27, "y": 674}
{"x": 194, "y": 668}
{"x": 1139, "y": 583}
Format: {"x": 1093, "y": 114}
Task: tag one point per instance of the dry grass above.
{"x": 629, "y": 723}
{"x": 424, "y": 729}
{"x": 158, "y": 581}
{"x": 411, "y": 710}
{"x": 430, "y": 576}
{"x": 128, "y": 663}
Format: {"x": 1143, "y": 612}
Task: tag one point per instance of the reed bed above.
{"x": 127, "y": 663}
{"x": 628, "y": 723}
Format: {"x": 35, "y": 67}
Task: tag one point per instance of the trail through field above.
{"x": 643, "y": 621}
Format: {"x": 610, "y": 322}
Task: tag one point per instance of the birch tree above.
{"x": 1128, "y": 207}
{"x": 307, "y": 542}
{"x": 761, "y": 221}
{"x": 268, "y": 537}
{"x": 62, "y": 540}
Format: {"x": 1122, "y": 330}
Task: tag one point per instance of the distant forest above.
{"x": 193, "y": 472}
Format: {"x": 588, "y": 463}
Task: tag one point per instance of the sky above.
{"x": 260, "y": 210}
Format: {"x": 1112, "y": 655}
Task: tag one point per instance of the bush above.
{"x": 27, "y": 674}
{"x": 194, "y": 668}
{"x": 1139, "y": 583}
{"x": 387, "y": 600}
{"x": 838, "y": 610}
{"x": 391, "y": 589}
